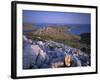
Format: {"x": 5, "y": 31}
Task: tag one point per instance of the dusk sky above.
{"x": 30, "y": 16}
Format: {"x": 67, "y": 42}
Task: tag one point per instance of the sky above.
{"x": 30, "y": 16}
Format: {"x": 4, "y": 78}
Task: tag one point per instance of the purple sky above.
{"x": 30, "y": 16}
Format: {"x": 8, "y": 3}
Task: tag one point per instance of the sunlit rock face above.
{"x": 50, "y": 54}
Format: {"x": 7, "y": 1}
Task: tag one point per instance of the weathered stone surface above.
{"x": 39, "y": 54}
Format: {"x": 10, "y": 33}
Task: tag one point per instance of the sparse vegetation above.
{"x": 59, "y": 34}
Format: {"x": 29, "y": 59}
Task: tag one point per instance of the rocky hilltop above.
{"x": 55, "y": 33}
{"x": 59, "y": 34}
{"x": 50, "y": 30}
